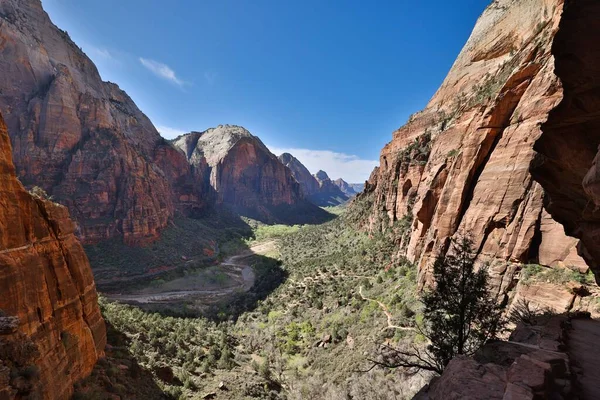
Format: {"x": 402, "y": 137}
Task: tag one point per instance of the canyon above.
{"x": 506, "y": 153}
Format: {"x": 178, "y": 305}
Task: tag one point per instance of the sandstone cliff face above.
{"x": 51, "y": 330}
{"x": 461, "y": 166}
{"x": 246, "y": 176}
{"x": 569, "y": 164}
{"x": 318, "y": 188}
{"x": 82, "y": 140}
{"x": 308, "y": 183}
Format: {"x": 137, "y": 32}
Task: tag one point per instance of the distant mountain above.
{"x": 308, "y": 184}
{"x": 246, "y": 176}
{"x": 318, "y": 188}
{"x": 357, "y": 187}
{"x": 329, "y": 194}
{"x": 350, "y": 189}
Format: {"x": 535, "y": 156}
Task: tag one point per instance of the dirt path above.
{"x": 585, "y": 356}
{"x": 241, "y": 278}
{"x": 387, "y": 313}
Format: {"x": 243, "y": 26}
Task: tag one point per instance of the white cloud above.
{"x": 161, "y": 70}
{"x": 169, "y": 133}
{"x": 351, "y": 168}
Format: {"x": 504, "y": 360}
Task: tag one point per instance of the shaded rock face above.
{"x": 329, "y": 193}
{"x": 246, "y": 176}
{"x": 308, "y": 183}
{"x": 318, "y": 188}
{"x": 51, "y": 330}
{"x": 83, "y": 140}
{"x": 568, "y": 167}
{"x": 350, "y": 189}
{"x": 461, "y": 166}
{"x": 344, "y": 187}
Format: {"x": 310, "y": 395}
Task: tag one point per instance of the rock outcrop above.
{"x": 246, "y": 176}
{"x": 461, "y": 166}
{"x": 51, "y": 330}
{"x": 533, "y": 364}
{"x": 318, "y": 188}
{"x": 329, "y": 193}
{"x": 350, "y": 189}
{"x": 568, "y": 166}
{"x": 83, "y": 140}
{"x": 308, "y": 183}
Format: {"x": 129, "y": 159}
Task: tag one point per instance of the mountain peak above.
{"x": 322, "y": 175}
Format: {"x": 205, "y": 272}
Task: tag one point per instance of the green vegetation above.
{"x": 185, "y": 245}
{"x": 304, "y": 337}
{"x": 460, "y": 313}
{"x": 538, "y": 273}
{"x": 416, "y": 153}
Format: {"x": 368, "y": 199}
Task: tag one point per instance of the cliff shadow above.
{"x": 118, "y": 375}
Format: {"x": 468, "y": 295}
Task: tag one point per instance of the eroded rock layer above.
{"x": 246, "y": 176}
{"x": 51, "y": 330}
{"x": 83, "y": 140}
{"x": 569, "y": 162}
{"x": 461, "y": 166}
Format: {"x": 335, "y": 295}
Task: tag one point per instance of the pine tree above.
{"x": 460, "y": 313}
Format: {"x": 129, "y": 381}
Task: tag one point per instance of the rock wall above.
{"x": 308, "y": 183}
{"x": 318, "y": 188}
{"x": 461, "y": 166}
{"x": 246, "y": 176}
{"x": 568, "y": 166}
{"x": 83, "y": 140}
{"x": 51, "y": 330}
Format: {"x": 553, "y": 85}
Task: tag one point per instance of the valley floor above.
{"x": 275, "y": 312}
{"x": 324, "y": 297}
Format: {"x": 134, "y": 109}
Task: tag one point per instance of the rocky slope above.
{"x": 543, "y": 358}
{"x": 83, "y": 140}
{"x": 246, "y": 176}
{"x": 461, "y": 166}
{"x": 51, "y": 330}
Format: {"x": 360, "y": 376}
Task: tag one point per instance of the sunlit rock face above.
{"x": 51, "y": 330}
{"x": 84, "y": 141}
{"x": 462, "y": 165}
{"x": 246, "y": 176}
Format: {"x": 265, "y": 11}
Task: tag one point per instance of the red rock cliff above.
{"x": 246, "y": 176}
{"x": 569, "y": 164}
{"x": 83, "y": 140}
{"x": 51, "y": 330}
{"x": 462, "y": 164}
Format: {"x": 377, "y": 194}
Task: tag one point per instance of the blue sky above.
{"x": 330, "y": 80}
